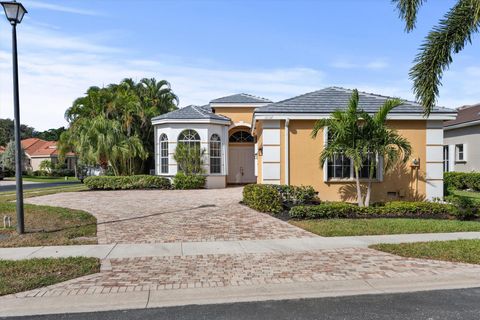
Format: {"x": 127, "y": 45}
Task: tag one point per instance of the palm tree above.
{"x": 125, "y": 110}
{"x": 365, "y": 139}
{"x": 450, "y": 36}
{"x": 344, "y": 138}
{"x": 381, "y": 142}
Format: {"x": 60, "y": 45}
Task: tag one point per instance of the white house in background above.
{"x": 461, "y": 150}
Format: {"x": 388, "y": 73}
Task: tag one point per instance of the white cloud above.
{"x": 56, "y": 68}
{"x": 55, "y": 7}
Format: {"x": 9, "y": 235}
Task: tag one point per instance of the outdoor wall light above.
{"x": 415, "y": 163}
{"x": 14, "y": 11}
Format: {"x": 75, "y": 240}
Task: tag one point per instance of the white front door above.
{"x": 241, "y": 163}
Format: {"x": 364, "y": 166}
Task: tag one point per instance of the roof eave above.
{"x": 202, "y": 121}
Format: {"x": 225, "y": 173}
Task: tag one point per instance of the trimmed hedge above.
{"x": 126, "y": 182}
{"x": 184, "y": 181}
{"x": 272, "y": 198}
{"x": 461, "y": 180}
{"x": 394, "y": 209}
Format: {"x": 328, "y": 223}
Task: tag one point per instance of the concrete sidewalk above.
{"x": 137, "y": 250}
{"x": 11, "y": 306}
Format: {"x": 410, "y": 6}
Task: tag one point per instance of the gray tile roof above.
{"x": 333, "y": 98}
{"x": 192, "y": 112}
{"x": 241, "y": 98}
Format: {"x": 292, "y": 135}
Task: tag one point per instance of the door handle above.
{"x": 241, "y": 170}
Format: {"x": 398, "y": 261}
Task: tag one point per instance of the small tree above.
{"x": 189, "y": 159}
{"x": 8, "y": 157}
{"x": 45, "y": 165}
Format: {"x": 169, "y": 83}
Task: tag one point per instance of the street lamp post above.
{"x": 15, "y": 12}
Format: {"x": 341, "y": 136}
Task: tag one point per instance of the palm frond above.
{"x": 408, "y": 10}
{"x": 450, "y": 36}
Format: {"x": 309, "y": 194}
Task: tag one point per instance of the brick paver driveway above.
{"x": 213, "y": 215}
{"x": 173, "y": 215}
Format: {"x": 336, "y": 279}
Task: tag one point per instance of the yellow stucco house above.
{"x": 249, "y": 139}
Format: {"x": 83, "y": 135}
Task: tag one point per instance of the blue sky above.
{"x": 208, "y": 49}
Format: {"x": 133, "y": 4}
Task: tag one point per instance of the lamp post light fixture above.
{"x": 15, "y": 12}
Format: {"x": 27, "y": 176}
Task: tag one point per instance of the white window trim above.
{"x": 216, "y": 157}
{"x": 379, "y": 169}
{"x": 464, "y": 153}
{"x": 162, "y": 142}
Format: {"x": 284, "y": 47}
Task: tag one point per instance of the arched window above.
{"x": 163, "y": 153}
{"x": 241, "y": 136}
{"x": 190, "y": 138}
{"x": 215, "y": 154}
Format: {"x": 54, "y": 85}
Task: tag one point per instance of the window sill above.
{"x": 350, "y": 180}
{"x": 460, "y": 161}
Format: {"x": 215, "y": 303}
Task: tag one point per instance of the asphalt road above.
{"x": 37, "y": 185}
{"x": 446, "y": 305}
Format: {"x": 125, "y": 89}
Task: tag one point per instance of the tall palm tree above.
{"x": 365, "y": 139}
{"x": 450, "y": 36}
{"x": 125, "y": 110}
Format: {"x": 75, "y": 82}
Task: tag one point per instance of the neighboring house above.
{"x": 38, "y": 150}
{"x": 250, "y": 139}
{"x": 462, "y": 140}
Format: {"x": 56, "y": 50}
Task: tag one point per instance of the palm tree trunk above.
{"x": 369, "y": 192}
{"x": 373, "y": 164}
{"x": 359, "y": 189}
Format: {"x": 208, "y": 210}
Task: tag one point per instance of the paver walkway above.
{"x": 172, "y": 216}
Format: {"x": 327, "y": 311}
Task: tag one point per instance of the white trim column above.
{"x": 271, "y": 152}
{"x": 434, "y": 161}
{"x": 287, "y": 152}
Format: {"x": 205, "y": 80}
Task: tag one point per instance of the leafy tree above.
{"x": 7, "y": 131}
{"x": 8, "y": 157}
{"x": 112, "y": 125}
{"x": 189, "y": 159}
{"x": 449, "y": 37}
{"x": 360, "y": 136}
{"x": 50, "y": 134}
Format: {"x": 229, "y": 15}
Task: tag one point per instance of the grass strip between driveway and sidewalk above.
{"x": 46, "y": 225}
{"x": 467, "y": 251}
{"x": 23, "y": 275}
{"x": 362, "y": 227}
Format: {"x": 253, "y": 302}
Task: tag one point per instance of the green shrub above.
{"x": 126, "y": 182}
{"x": 461, "y": 181}
{"x": 263, "y": 197}
{"x": 297, "y": 195}
{"x": 184, "y": 181}
{"x": 394, "y": 209}
{"x": 467, "y": 208}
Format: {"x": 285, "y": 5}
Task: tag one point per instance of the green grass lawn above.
{"x": 23, "y": 275}
{"x": 46, "y": 225}
{"x": 469, "y": 194}
{"x": 360, "y": 227}
{"x": 48, "y": 179}
{"x": 10, "y": 195}
{"x": 467, "y": 251}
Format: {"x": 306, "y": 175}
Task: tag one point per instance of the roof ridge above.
{"x": 254, "y": 96}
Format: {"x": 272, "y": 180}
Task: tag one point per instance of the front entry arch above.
{"x": 241, "y": 157}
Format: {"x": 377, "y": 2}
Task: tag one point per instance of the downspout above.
{"x": 287, "y": 143}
